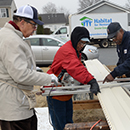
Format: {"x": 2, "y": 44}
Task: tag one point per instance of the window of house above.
{"x": 3, "y": 12}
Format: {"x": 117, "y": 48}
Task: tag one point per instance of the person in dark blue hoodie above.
{"x": 122, "y": 39}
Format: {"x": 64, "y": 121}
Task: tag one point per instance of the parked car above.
{"x": 46, "y": 46}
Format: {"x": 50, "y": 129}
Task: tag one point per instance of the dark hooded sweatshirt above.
{"x": 68, "y": 58}
{"x": 123, "y": 51}
{"x": 77, "y": 34}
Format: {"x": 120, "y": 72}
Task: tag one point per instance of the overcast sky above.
{"x": 71, "y": 5}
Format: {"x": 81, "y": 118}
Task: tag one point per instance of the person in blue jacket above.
{"x": 122, "y": 39}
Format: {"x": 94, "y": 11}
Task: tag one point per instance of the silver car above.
{"x": 45, "y": 47}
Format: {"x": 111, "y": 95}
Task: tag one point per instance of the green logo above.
{"x": 86, "y": 21}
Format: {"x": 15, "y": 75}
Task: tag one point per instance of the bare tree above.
{"x": 85, "y": 3}
{"x": 50, "y": 8}
{"x": 127, "y": 5}
{"x": 63, "y": 10}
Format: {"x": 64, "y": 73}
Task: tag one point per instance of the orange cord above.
{"x": 95, "y": 124}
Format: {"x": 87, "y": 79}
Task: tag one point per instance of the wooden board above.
{"x": 87, "y": 104}
{"x": 87, "y": 126}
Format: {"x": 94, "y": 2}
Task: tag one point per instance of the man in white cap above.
{"x": 18, "y": 72}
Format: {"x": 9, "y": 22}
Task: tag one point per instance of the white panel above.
{"x": 96, "y": 69}
{"x": 114, "y": 100}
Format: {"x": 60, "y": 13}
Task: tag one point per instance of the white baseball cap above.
{"x": 30, "y": 12}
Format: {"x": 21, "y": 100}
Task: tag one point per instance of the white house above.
{"x": 6, "y": 11}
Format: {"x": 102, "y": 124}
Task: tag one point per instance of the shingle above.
{"x": 53, "y": 18}
{"x": 5, "y": 2}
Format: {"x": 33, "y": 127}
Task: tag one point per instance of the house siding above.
{"x": 10, "y": 8}
{"x": 106, "y": 9}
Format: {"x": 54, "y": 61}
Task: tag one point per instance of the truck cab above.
{"x": 62, "y": 33}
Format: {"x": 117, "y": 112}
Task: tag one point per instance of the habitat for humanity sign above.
{"x": 98, "y": 23}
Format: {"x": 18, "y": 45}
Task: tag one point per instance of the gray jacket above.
{"x": 17, "y": 67}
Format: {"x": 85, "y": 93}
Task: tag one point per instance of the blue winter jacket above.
{"x": 123, "y": 50}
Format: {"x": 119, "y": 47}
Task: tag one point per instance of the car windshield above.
{"x": 63, "y": 39}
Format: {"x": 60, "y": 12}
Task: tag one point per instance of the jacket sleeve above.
{"x": 119, "y": 60}
{"x": 76, "y": 69}
{"x": 17, "y": 60}
{"x": 123, "y": 68}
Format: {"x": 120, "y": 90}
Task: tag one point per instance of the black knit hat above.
{"x": 79, "y": 33}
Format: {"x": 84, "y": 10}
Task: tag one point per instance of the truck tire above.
{"x": 104, "y": 44}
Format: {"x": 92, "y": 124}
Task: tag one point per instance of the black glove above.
{"x": 94, "y": 86}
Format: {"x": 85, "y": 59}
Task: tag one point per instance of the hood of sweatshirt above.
{"x": 77, "y": 34}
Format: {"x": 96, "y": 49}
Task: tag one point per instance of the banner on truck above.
{"x": 97, "y": 23}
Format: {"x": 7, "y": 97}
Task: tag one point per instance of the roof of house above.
{"x": 53, "y": 18}
{"x": 101, "y": 3}
{"x": 5, "y": 3}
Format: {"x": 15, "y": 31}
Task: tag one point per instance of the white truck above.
{"x": 96, "y": 24}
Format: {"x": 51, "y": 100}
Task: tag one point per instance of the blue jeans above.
{"x": 61, "y": 112}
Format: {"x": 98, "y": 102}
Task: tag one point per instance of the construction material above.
{"x": 102, "y": 125}
{"x": 68, "y": 85}
{"x": 119, "y": 80}
{"x": 69, "y": 90}
{"x": 66, "y": 90}
{"x": 115, "y": 102}
{"x": 43, "y": 118}
{"x": 85, "y": 105}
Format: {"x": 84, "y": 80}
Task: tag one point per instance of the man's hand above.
{"x": 94, "y": 86}
{"x": 108, "y": 78}
{"x": 54, "y": 79}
